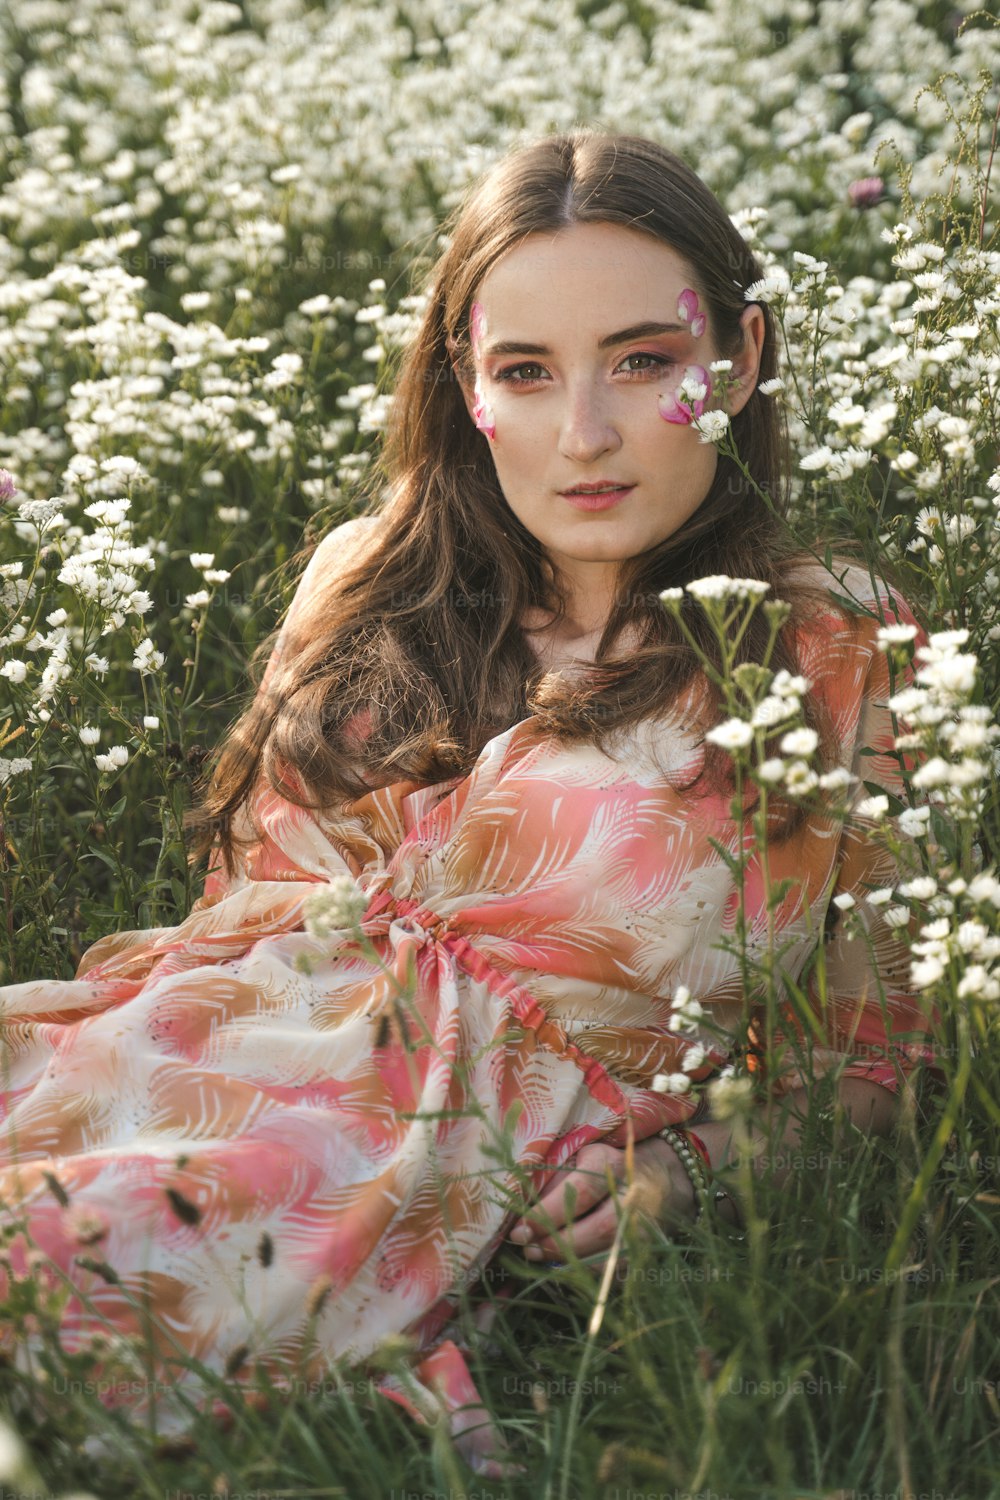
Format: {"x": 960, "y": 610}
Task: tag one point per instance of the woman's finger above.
{"x": 571, "y": 1194}
{"x": 589, "y": 1235}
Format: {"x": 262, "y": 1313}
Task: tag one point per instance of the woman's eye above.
{"x": 515, "y": 374}
{"x": 511, "y": 374}
{"x": 659, "y": 362}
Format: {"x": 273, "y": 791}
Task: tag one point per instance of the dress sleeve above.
{"x": 858, "y": 989}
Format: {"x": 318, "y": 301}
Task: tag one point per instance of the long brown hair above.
{"x": 424, "y": 627}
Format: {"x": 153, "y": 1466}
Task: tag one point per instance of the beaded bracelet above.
{"x": 692, "y": 1166}
{"x": 697, "y": 1171}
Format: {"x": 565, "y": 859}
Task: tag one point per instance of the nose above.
{"x": 588, "y": 428}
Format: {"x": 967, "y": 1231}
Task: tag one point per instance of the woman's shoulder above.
{"x": 344, "y": 538}
{"x": 337, "y": 548}
{"x": 846, "y": 591}
{"x": 836, "y": 635}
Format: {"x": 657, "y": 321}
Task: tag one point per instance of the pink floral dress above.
{"x": 245, "y": 1135}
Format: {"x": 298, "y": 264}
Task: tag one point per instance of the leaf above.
{"x": 875, "y": 789}
{"x": 853, "y": 607}
{"x": 186, "y": 1211}
{"x": 104, "y": 857}
{"x": 56, "y": 1188}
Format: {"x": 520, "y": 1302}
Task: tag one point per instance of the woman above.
{"x": 479, "y": 709}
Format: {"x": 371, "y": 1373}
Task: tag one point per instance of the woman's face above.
{"x": 574, "y": 383}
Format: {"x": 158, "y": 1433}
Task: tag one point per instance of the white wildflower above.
{"x": 895, "y": 635}
{"x": 771, "y": 771}
{"x": 921, "y": 888}
{"x": 771, "y": 710}
{"x": 800, "y": 778}
{"x": 925, "y": 972}
{"x": 671, "y": 1083}
{"x": 15, "y": 766}
{"x": 337, "y": 905}
{"x": 730, "y": 1096}
{"x": 784, "y": 685}
{"x": 985, "y": 887}
{"x": 977, "y": 983}
{"x": 711, "y": 426}
{"x": 872, "y": 807}
{"x": 914, "y": 821}
{"x": 799, "y": 742}
{"x": 114, "y": 760}
{"x": 734, "y": 734}
{"x": 721, "y": 586}
{"x": 896, "y": 916}
{"x": 315, "y": 307}
{"x": 147, "y": 659}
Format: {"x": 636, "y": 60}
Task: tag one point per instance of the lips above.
{"x": 593, "y": 486}
{"x": 597, "y": 500}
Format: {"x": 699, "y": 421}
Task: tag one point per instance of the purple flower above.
{"x": 8, "y": 486}
{"x": 865, "y": 192}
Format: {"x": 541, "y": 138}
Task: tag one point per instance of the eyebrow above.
{"x": 623, "y": 336}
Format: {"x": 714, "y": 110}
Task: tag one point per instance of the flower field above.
{"x": 214, "y": 220}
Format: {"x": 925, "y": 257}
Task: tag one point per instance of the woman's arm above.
{"x": 867, "y": 1004}
{"x": 577, "y": 1213}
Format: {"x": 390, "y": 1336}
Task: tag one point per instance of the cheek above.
{"x": 526, "y": 429}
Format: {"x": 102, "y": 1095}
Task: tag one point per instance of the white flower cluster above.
{"x": 719, "y": 586}
{"x": 685, "y": 1013}
{"x": 334, "y": 906}
{"x": 928, "y": 327}
{"x": 114, "y": 760}
{"x": 730, "y": 1094}
{"x": 100, "y": 565}
{"x": 711, "y": 426}
{"x": 13, "y": 766}
{"x": 961, "y": 937}
{"x": 780, "y": 706}
{"x": 958, "y": 737}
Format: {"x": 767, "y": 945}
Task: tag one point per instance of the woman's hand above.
{"x": 559, "y": 1224}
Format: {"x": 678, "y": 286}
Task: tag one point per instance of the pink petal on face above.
{"x": 477, "y": 327}
{"x": 483, "y": 414}
{"x": 485, "y": 420}
{"x": 672, "y": 410}
{"x": 698, "y": 325}
{"x": 687, "y": 304}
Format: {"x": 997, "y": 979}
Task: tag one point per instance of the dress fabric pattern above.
{"x": 198, "y": 1087}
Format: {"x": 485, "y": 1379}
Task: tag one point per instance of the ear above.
{"x": 746, "y": 364}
